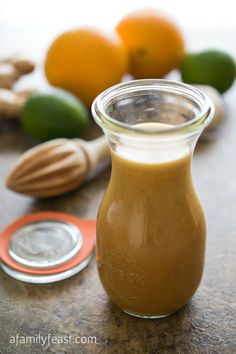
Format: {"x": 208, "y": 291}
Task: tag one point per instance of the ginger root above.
{"x": 12, "y": 102}
{"x": 12, "y": 69}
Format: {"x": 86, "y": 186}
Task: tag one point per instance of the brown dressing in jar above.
{"x": 150, "y": 236}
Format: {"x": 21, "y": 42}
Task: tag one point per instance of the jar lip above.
{"x": 197, "y": 123}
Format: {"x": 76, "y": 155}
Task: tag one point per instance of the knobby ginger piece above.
{"x": 12, "y": 69}
{"x": 12, "y": 102}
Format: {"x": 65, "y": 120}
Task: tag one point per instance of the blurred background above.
{"x": 30, "y": 26}
{"x": 29, "y": 30}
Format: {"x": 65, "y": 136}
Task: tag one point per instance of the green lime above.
{"x": 47, "y": 116}
{"x": 211, "y": 67}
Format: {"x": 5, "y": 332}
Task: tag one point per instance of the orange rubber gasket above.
{"x": 86, "y": 227}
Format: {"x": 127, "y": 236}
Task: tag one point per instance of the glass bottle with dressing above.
{"x": 150, "y": 225}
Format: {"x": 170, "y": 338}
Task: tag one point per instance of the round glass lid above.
{"x": 45, "y": 243}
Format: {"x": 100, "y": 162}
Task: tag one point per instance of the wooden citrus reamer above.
{"x": 57, "y": 166}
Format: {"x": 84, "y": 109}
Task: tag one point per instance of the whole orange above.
{"x": 154, "y": 42}
{"x": 86, "y": 61}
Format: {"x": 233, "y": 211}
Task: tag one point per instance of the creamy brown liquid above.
{"x": 150, "y": 236}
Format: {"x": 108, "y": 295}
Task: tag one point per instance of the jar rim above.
{"x": 199, "y": 122}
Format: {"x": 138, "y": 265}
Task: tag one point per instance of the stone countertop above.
{"x": 79, "y": 307}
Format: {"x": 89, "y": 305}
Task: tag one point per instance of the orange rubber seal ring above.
{"x": 86, "y": 227}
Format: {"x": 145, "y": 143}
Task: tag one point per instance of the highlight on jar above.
{"x": 151, "y": 229}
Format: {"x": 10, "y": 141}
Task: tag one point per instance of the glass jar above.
{"x": 150, "y": 225}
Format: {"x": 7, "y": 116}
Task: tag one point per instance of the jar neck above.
{"x": 152, "y": 120}
{"x": 152, "y": 149}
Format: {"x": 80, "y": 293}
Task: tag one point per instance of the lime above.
{"x": 211, "y": 67}
{"x": 47, "y": 116}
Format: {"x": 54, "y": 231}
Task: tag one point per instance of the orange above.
{"x": 85, "y": 61}
{"x": 154, "y": 42}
